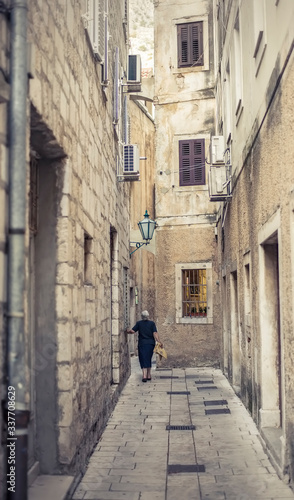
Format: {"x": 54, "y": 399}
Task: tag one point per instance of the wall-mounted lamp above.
{"x": 146, "y": 227}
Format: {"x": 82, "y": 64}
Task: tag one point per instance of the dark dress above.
{"x": 146, "y": 341}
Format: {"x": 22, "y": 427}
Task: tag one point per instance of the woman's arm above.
{"x": 156, "y": 336}
{"x": 129, "y": 330}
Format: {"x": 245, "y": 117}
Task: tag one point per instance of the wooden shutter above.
{"x": 183, "y": 45}
{"x": 197, "y": 44}
{"x": 125, "y": 137}
{"x": 116, "y": 88}
{"x": 105, "y": 62}
{"x": 190, "y": 44}
{"x": 192, "y": 162}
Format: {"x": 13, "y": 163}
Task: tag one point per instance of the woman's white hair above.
{"x": 145, "y": 314}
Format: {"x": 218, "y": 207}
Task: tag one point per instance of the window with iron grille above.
{"x": 190, "y": 44}
{"x": 34, "y": 195}
{"x": 88, "y": 259}
{"x": 192, "y": 162}
{"x": 126, "y": 298}
{"x": 194, "y": 293}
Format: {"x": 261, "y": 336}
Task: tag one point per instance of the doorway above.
{"x": 235, "y": 334}
{"x": 271, "y": 359}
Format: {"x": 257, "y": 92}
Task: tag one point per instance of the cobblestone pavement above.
{"x": 183, "y": 436}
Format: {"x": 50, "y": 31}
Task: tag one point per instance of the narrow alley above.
{"x": 184, "y": 435}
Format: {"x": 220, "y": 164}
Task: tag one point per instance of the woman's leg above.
{"x": 148, "y": 373}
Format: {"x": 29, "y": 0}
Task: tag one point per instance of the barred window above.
{"x": 34, "y": 194}
{"x": 194, "y": 293}
{"x": 194, "y": 297}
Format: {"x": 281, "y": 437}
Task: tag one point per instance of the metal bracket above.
{"x": 138, "y": 245}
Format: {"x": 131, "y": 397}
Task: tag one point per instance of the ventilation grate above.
{"x": 180, "y": 428}
{"x": 168, "y": 376}
{"x": 207, "y": 388}
{"x": 216, "y": 402}
{"x": 217, "y": 411}
{"x": 204, "y": 382}
{"x": 179, "y": 468}
{"x": 179, "y": 392}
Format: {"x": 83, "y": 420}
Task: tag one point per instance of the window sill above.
{"x": 189, "y": 69}
{"x": 196, "y": 320}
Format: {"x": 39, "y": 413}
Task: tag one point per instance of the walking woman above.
{"x": 147, "y": 337}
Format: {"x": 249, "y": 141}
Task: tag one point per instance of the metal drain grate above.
{"x": 206, "y": 388}
{"x": 217, "y": 411}
{"x": 179, "y": 468}
{"x": 180, "y": 428}
{"x": 204, "y": 382}
{"x": 179, "y": 392}
{"x": 215, "y": 402}
{"x": 168, "y": 376}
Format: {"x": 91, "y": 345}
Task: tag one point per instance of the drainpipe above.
{"x": 16, "y": 397}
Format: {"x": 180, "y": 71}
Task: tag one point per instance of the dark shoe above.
{"x": 149, "y": 378}
{"x": 144, "y": 379}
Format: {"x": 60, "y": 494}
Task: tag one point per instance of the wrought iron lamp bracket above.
{"x": 138, "y": 245}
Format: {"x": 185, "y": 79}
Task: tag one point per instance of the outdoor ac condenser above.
{"x": 219, "y": 183}
{"x": 217, "y": 149}
{"x": 131, "y": 164}
{"x": 134, "y": 69}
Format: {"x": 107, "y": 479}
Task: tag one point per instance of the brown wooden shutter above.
{"x": 190, "y": 44}
{"x": 197, "y": 44}
{"x": 192, "y": 162}
{"x": 183, "y": 45}
{"x": 199, "y": 162}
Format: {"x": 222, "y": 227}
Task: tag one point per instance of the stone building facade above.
{"x": 77, "y": 253}
{"x": 142, "y": 266}
{"x": 254, "y": 74}
{"x": 187, "y": 294}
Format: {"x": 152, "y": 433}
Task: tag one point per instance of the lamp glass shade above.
{"x": 147, "y": 227}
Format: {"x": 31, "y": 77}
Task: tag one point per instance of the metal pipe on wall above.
{"x": 16, "y": 356}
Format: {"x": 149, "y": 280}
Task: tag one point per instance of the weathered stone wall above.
{"x": 184, "y": 99}
{"x": 265, "y": 188}
{"x": 72, "y": 132}
{"x": 142, "y": 132}
{"x": 4, "y": 95}
{"x": 256, "y": 243}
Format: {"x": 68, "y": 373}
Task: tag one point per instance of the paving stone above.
{"x": 132, "y": 459}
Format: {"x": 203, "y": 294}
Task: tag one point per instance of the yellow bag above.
{"x": 160, "y": 351}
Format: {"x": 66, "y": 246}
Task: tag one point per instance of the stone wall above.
{"x": 79, "y": 354}
{"x": 184, "y": 101}
{"x": 142, "y": 270}
{"x": 256, "y": 234}
{"x": 4, "y": 96}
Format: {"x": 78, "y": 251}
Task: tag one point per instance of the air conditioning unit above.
{"x": 134, "y": 69}
{"x": 219, "y": 182}
{"x": 131, "y": 161}
{"x": 217, "y": 149}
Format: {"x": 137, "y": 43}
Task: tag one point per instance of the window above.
{"x": 192, "y": 162}
{"x": 194, "y": 292}
{"x": 126, "y": 298}
{"x": 88, "y": 259}
{"x": 190, "y": 45}
{"x": 260, "y": 39}
{"x": 34, "y": 194}
{"x": 238, "y": 68}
